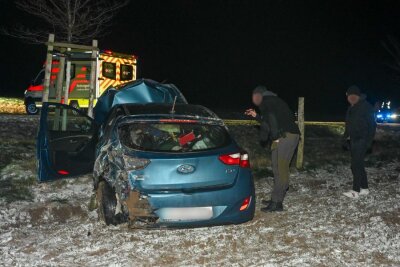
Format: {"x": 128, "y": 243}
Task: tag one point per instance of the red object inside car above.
{"x": 183, "y": 140}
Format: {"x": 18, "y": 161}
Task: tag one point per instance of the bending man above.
{"x": 279, "y": 127}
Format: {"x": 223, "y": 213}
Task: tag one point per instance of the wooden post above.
{"x": 59, "y": 89}
{"x": 60, "y": 79}
{"x": 67, "y": 80}
{"x": 93, "y": 77}
{"x": 300, "y": 120}
{"x": 49, "y": 60}
{"x": 66, "y": 93}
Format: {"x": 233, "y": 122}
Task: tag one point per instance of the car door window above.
{"x": 39, "y": 78}
{"x": 64, "y": 119}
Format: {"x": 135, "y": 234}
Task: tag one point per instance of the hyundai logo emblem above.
{"x": 186, "y": 168}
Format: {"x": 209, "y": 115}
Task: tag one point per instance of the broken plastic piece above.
{"x": 137, "y": 206}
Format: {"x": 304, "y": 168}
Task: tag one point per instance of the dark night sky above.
{"x": 216, "y": 52}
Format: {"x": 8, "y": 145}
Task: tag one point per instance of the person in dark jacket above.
{"x": 278, "y": 126}
{"x": 360, "y": 130}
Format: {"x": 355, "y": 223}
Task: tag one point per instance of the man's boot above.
{"x": 273, "y": 206}
{"x": 266, "y": 202}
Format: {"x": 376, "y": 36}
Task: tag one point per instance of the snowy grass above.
{"x": 54, "y": 225}
{"x": 17, "y": 157}
{"x": 12, "y": 105}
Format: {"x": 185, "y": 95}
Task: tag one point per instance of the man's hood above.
{"x": 363, "y": 98}
{"x": 268, "y": 93}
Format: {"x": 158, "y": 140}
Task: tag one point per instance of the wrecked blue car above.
{"x": 154, "y": 164}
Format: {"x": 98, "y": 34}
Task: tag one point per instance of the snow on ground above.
{"x": 51, "y": 224}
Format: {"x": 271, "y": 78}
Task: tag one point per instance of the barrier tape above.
{"x": 254, "y": 122}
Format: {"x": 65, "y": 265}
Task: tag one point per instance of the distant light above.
{"x": 393, "y": 116}
{"x": 379, "y": 116}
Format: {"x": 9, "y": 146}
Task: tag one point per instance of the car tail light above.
{"x": 245, "y": 204}
{"x": 230, "y": 159}
{"x": 63, "y": 172}
{"x": 244, "y": 160}
{"x": 134, "y": 164}
{"x": 241, "y": 159}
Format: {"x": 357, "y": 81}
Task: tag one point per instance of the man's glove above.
{"x": 274, "y": 145}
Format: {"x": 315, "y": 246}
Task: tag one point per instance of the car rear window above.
{"x": 173, "y": 137}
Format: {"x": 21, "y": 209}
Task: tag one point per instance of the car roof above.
{"x": 163, "y": 110}
{"x": 156, "y": 111}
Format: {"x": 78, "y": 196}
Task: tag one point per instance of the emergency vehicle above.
{"x": 112, "y": 69}
{"x": 386, "y": 113}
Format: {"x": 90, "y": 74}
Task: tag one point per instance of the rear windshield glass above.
{"x": 173, "y": 137}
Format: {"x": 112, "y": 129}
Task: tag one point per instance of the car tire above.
{"x": 106, "y": 203}
{"x": 31, "y": 108}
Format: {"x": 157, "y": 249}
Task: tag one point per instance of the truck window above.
{"x": 109, "y": 70}
{"x": 39, "y": 78}
{"x": 126, "y": 72}
{"x": 73, "y": 71}
{"x": 87, "y": 72}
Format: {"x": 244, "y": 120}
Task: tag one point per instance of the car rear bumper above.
{"x": 225, "y": 204}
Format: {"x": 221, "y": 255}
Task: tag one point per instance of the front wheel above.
{"x": 107, "y": 203}
{"x": 31, "y": 108}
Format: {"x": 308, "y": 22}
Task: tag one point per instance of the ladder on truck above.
{"x": 64, "y": 51}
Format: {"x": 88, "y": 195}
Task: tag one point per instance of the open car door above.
{"x": 66, "y": 142}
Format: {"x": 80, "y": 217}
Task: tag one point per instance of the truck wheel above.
{"x": 31, "y": 108}
{"x": 106, "y": 203}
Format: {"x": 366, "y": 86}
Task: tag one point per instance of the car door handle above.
{"x": 72, "y": 141}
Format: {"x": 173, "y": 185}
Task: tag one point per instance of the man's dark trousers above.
{"x": 358, "y": 151}
{"x": 282, "y": 153}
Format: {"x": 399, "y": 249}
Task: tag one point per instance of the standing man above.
{"x": 360, "y": 129}
{"x": 278, "y": 126}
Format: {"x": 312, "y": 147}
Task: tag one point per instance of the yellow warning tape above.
{"x": 254, "y": 122}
